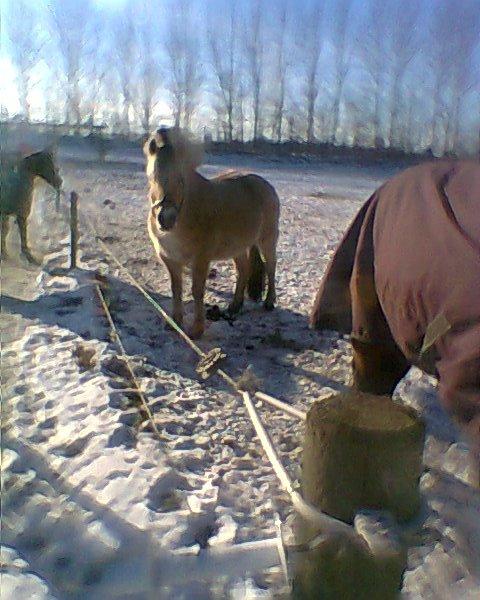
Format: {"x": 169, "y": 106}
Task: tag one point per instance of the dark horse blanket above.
{"x": 405, "y": 281}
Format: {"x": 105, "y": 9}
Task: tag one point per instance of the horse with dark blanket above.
{"x": 405, "y": 281}
{"x": 17, "y": 181}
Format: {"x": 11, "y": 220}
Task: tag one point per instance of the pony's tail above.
{"x": 256, "y": 279}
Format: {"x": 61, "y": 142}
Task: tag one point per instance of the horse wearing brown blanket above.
{"x": 405, "y": 281}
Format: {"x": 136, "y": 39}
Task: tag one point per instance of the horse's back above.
{"x": 226, "y": 215}
{"x": 248, "y": 190}
{"x": 438, "y": 197}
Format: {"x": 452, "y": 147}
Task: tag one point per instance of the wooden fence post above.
{"x": 360, "y": 452}
{"x": 73, "y": 229}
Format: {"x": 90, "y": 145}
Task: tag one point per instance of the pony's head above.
{"x": 171, "y": 158}
{"x": 42, "y": 164}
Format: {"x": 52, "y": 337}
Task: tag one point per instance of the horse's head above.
{"x": 42, "y": 164}
{"x": 171, "y": 158}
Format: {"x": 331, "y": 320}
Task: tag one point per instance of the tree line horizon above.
{"x": 398, "y": 74}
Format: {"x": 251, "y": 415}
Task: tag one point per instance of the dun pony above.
{"x": 194, "y": 220}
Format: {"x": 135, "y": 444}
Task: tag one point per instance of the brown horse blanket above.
{"x": 405, "y": 281}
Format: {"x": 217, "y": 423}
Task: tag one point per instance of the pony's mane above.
{"x": 229, "y": 174}
{"x": 42, "y": 164}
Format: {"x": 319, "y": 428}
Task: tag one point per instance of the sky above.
{"x": 203, "y": 8}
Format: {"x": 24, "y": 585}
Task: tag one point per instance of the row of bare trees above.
{"x": 397, "y": 73}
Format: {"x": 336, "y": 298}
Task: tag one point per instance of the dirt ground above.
{"x": 214, "y": 459}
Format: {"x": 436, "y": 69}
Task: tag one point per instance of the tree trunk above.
{"x": 311, "y": 118}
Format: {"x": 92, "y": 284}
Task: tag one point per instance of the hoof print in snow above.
{"x": 131, "y": 417}
{"x": 123, "y": 436}
{"x": 73, "y": 448}
{"x": 166, "y": 495}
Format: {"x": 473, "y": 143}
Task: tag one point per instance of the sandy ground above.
{"x": 72, "y": 433}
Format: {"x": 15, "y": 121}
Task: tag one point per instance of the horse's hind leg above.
{"x": 175, "y": 272}
{"x": 199, "y": 276}
{"x": 242, "y": 264}
{"x": 269, "y": 252}
{"x": 22, "y": 226}
{"x": 5, "y": 229}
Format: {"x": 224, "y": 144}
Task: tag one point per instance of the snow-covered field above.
{"x": 95, "y": 506}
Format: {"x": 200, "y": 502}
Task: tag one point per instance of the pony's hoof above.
{"x": 234, "y": 308}
{"x": 268, "y": 305}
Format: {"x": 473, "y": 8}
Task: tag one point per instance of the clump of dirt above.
{"x": 86, "y": 356}
{"x": 248, "y": 381}
{"x": 277, "y": 340}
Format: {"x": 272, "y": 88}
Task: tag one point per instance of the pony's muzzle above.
{"x": 168, "y": 214}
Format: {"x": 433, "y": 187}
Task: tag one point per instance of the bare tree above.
{"x": 26, "y": 45}
{"x": 149, "y": 71}
{"x": 312, "y": 49}
{"x": 461, "y": 69}
{"x": 183, "y": 52}
{"x": 223, "y": 42}
{"x": 96, "y": 68}
{"x": 255, "y": 58}
{"x": 341, "y": 61}
{"x": 70, "y": 20}
{"x": 280, "y": 75}
{"x": 440, "y": 49}
{"x": 403, "y": 46}
{"x": 125, "y": 58}
{"x": 371, "y": 53}
{"x": 240, "y": 111}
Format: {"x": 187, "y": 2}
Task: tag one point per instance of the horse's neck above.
{"x": 36, "y": 164}
{"x": 197, "y": 186}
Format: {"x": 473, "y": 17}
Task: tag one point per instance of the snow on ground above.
{"x": 94, "y": 501}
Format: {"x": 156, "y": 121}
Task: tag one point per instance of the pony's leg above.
{"x": 5, "y": 228}
{"x": 22, "y": 226}
{"x": 242, "y": 264}
{"x": 199, "y": 276}
{"x": 270, "y": 255}
{"x": 175, "y": 272}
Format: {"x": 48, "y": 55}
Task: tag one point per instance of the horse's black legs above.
{"x": 22, "y": 226}
{"x": 175, "y": 271}
{"x": 243, "y": 265}
{"x": 270, "y": 255}
{"x": 200, "y": 270}
{"x": 5, "y": 228}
